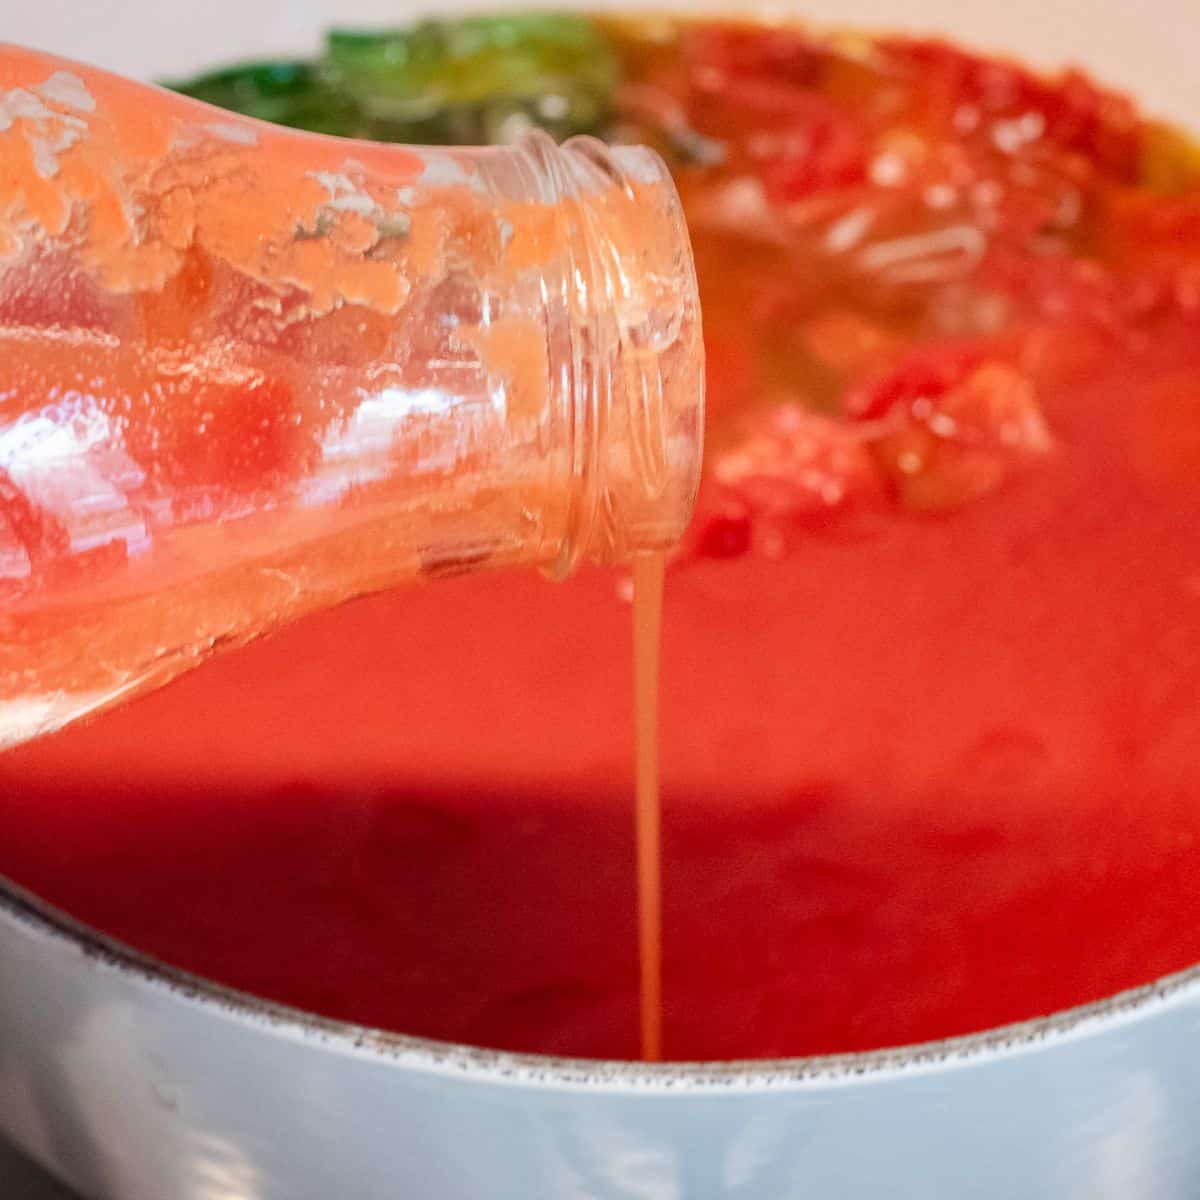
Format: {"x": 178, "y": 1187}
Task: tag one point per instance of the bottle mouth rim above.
{"x": 639, "y": 400}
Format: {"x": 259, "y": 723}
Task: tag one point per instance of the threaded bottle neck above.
{"x": 626, "y": 367}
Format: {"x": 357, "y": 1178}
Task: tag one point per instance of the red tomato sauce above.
{"x": 930, "y": 655}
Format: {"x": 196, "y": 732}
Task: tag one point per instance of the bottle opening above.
{"x": 633, "y": 355}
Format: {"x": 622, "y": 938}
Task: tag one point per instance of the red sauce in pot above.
{"x": 928, "y": 749}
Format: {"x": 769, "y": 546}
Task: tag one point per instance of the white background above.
{"x": 1149, "y": 46}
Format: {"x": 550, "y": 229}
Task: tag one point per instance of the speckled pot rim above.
{"x": 51, "y": 924}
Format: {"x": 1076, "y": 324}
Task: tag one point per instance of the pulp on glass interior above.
{"x": 246, "y": 372}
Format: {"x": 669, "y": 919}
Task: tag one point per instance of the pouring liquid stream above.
{"x": 647, "y": 629}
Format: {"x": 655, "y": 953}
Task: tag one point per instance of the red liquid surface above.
{"x": 971, "y": 798}
{"x": 929, "y": 754}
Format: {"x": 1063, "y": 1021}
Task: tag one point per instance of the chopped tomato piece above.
{"x": 933, "y": 476}
{"x": 925, "y": 374}
{"x": 1014, "y": 109}
{"x": 958, "y": 446}
{"x": 720, "y": 54}
{"x": 722, "y": 535}
{"x": 796, "y": 464}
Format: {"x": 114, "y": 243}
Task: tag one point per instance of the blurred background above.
{"x": 167, "y": 37}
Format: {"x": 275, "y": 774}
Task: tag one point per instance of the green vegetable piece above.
{"x": 470, "y": 81}
{"x": 479, "y": 78}
{"x": 286, "y": 92}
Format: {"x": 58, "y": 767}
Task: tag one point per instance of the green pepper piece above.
{"x": 292, "y": 93}
{"x": 553, "y": 70}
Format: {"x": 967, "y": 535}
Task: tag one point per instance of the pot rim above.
{"x": 50, "y": 923}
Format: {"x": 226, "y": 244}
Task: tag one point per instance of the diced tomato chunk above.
{"x": 964, "y": 94}
{"x": 961, "y": 444}
{"x": 723, "y": 53}
{"x": 813, "y": 155}
{"x": 925, "y": 374}
{"x": 994, "y": 407}
{"x": 796, "y": 464}
{"x": 722, "y": 535}
{"x": 932, "y": 476}
{"x": 755, "y": 91}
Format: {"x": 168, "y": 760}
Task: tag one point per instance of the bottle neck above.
{"x": 625, "y": 367}
{"x": 631, "y": 364}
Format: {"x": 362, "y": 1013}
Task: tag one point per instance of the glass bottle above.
{"x": 247, "y": 372}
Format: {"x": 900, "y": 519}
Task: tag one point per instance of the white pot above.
{"x": 132, "y": 1081}
{"x": 135, "y": 1082}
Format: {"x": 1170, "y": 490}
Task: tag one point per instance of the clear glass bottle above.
{"x": 247, "y": 372}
